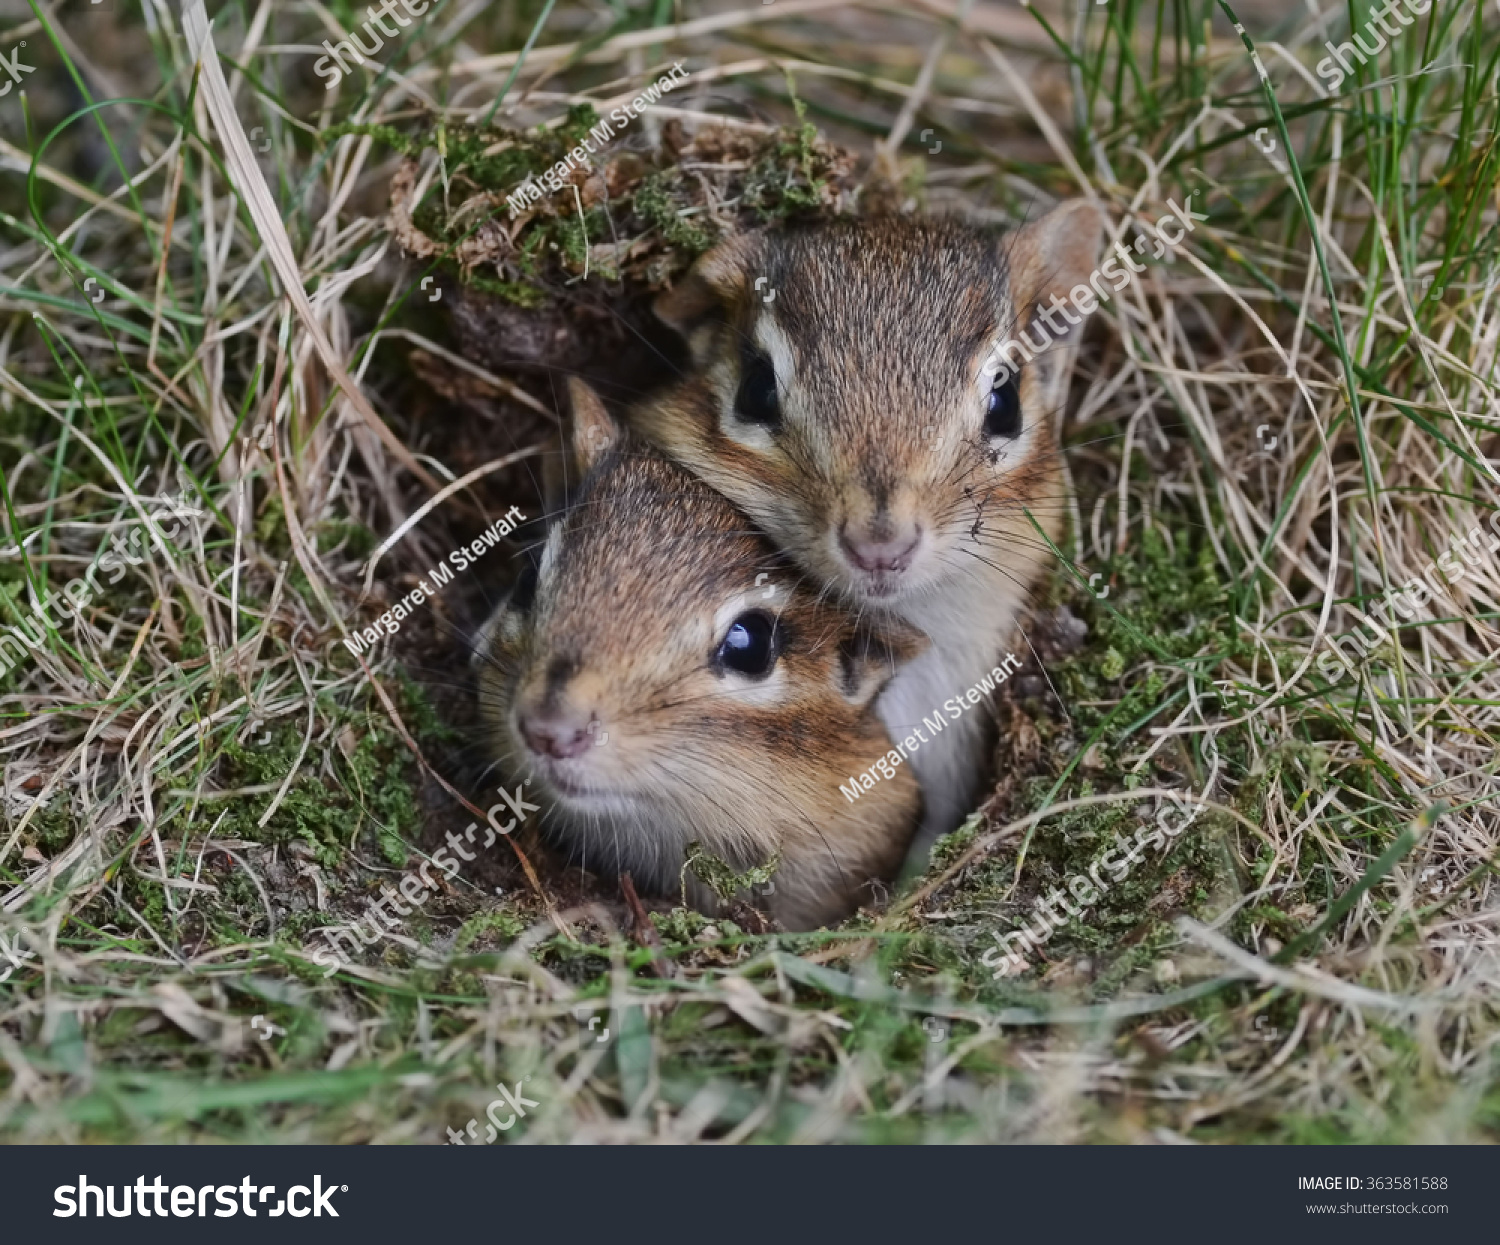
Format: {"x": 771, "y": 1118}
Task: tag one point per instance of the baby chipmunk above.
{"x": 861, "y": 418}
{"x": 662, "y": 674}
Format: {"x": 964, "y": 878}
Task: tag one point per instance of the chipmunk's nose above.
{"x": 880, "y": 548}
{"x": 566, "y": 733}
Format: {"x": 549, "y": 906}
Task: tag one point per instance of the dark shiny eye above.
{"x": 750, "y": 647}
{"x": 524, "y": 591}
{"x": 756, "y": 402}
{"x": 1002, "y": 414}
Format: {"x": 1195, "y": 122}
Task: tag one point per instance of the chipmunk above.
{"x": 848, "y": 399}
{"x": 663, "y": 675}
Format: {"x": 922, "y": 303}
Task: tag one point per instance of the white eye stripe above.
{"x": 551, "y": 551}
{"x": 777, "y": 347}
{"x": 766, "y": 335}
{"x": 751, "y": 436}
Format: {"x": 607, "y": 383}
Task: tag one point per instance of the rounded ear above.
{"x": 698, "y": 302}
{"x": 589, "y": 432}
{"x": 1049, "y": 259}
{"x": 870, "y": 653}
{"x": 592, "y": 431}
{"x": 1054, "y": 254}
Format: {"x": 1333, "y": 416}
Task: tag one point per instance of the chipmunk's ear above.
{"x": 589, "y": 432}
{"x": 1057, "y": 255}
{"x": 698, "y": 303}
{"x": 870, "y": 654}
{"x": 592, "y": 431}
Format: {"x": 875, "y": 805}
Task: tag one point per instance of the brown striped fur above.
{"x": 878, "y": 331}
{"x": 639, "y": 579}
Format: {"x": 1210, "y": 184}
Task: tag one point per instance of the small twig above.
{"x": 643, "y": 929}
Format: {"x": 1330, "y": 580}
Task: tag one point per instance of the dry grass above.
{"x": 197, "y": 775}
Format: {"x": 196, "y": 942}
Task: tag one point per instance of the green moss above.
{"x": 386, "y": 134}
{"x": 954, "y": 844}
{"x": 681, "y": 925}
{"x": 580, "y": 119}
{"x": 783, "y": 181}
{"x": 516, "y": 292}
{"x": 270, "y": 526}
{"x": 574, "y": 236}
{"x": 52, "y": 828}
{"x": 654, "y": 203}
{"x": 723, "y": 880}
{"x": 504, "y": 922}
{"x": 358, "y": 541}
{"x": 194, "y": 639}
{"x": 494, "y": 159}
{"x": 1168, "y": 595}
{"x": 375, "y": 781}
{"x": 422, "y": 718}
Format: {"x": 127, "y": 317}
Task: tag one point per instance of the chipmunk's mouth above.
{"x": 559, "y": 746}
{"x": 566, "y": 785}
{"x": 577, "y": 784}
{"x": 568, "y": 780}
{"x": 883, "y": 587}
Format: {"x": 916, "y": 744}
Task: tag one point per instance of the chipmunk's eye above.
{"x": 524, "y": 591}
{"x": 1002, "y": 414}
{"x": 756, "y": 402}
{"x": 750, "y": 647}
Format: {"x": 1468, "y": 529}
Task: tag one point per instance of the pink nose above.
{"x": 557, "y": 735}
{"x": 870, "y": 552}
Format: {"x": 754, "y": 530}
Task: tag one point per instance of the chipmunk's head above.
{"x": 852, "y": 397}
{"x": 660, "y": 670}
